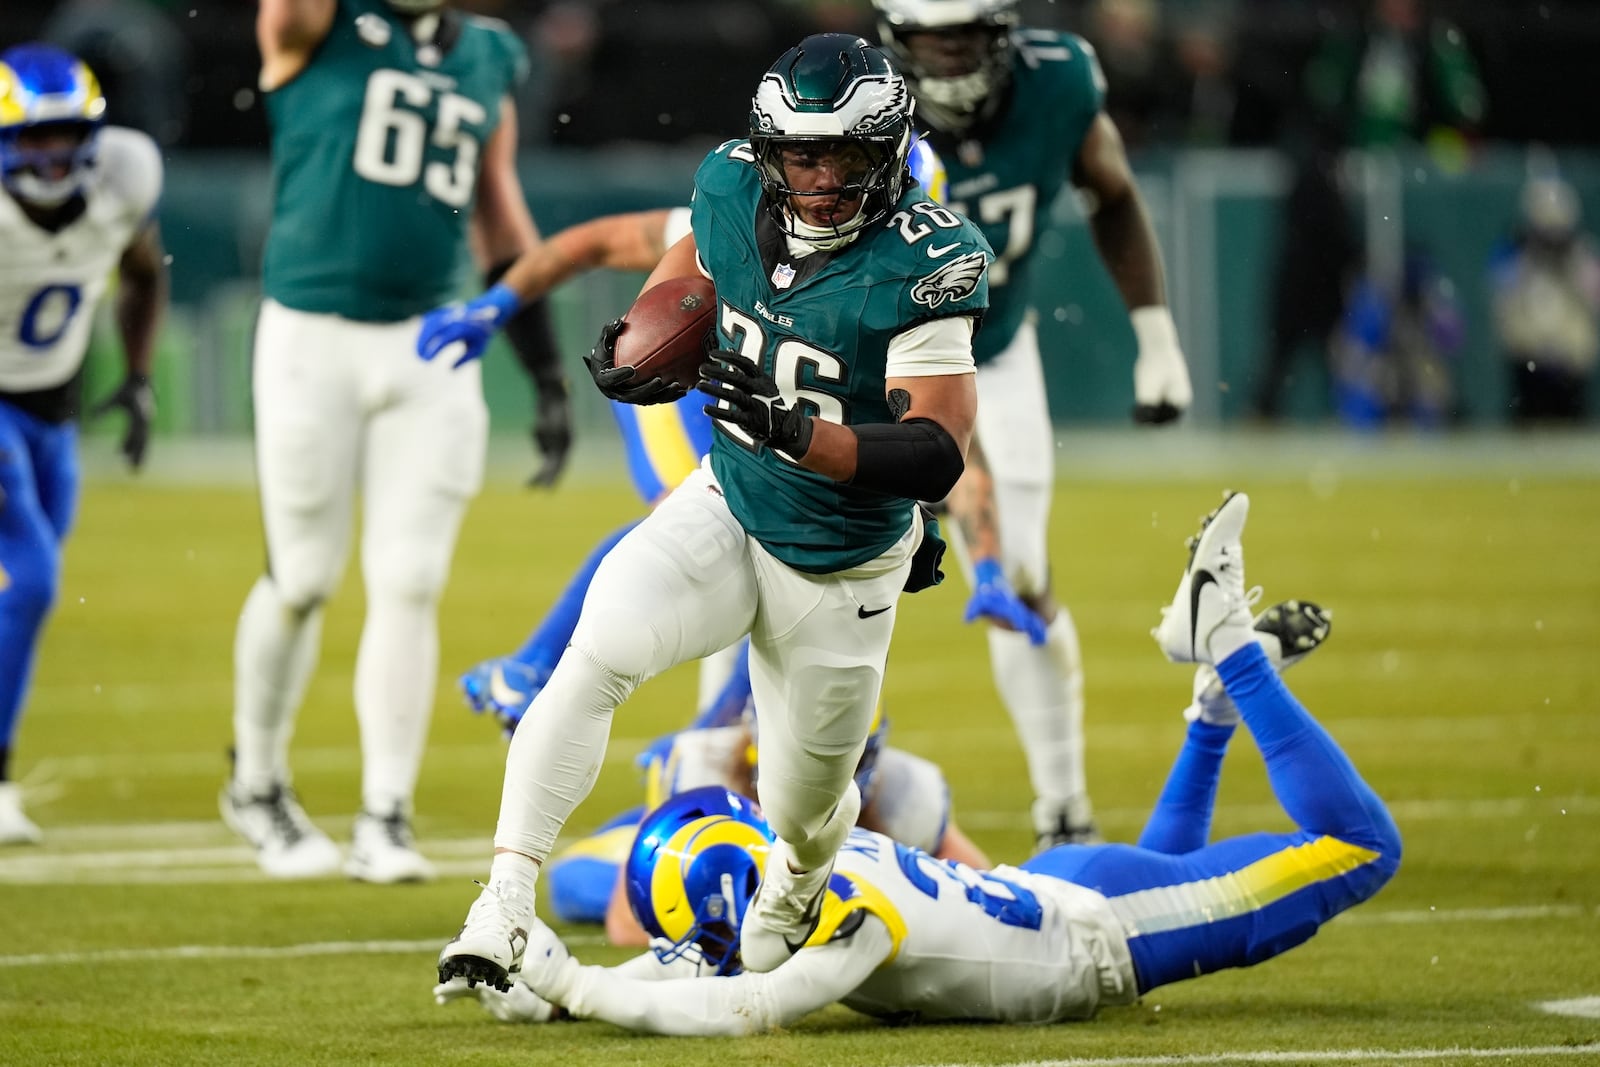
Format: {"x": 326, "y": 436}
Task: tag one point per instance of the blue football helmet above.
{"x": 44, "y": 92}
{"x": 833, "y": 88}
{"x": 928, "y": 169}
{"x": 693, "y": 868}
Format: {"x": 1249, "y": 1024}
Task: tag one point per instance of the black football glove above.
{"x": 617, "y": 382}
{"x": 552, "y": 434}
{"x": 749, "y": 400}
{"x": 138, "y": 399}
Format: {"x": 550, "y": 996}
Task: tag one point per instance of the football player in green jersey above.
{"x": 843, "y": 393}
{"x": 393, "y": 143}
{"x": 1016, "y": 114}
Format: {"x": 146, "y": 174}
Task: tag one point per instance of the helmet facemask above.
{"x": 831, "y": 103}
{"x": 957, "y": 56}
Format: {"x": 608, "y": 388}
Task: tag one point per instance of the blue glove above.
{"x": 471, "y": 324}
{"x": 993, "y": 598}
{"x": 505, "y": 687}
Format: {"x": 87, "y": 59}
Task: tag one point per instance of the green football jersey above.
{"x": 375, "y": 157}
{"x": 1007, "y": 176}
{"x": 821, "y": 326}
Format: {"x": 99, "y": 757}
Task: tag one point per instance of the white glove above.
{"x": 1161, "y": 389}
{"x": 547, "y": 968}
{"x": 520, "y": 1005}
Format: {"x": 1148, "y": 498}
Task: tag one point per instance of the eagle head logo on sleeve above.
{"x": 955, "y": 280}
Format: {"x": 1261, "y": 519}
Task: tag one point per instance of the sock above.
{"x": 397, "y": 670}
{"x": 556, "y": 753}
{"x": 513, "y": 878}
{"x": 30, "y": 568}
{"x": 274, "y": 653}
{"x": 1042, "y": 689}
{"x": 1181, "y": 821}
{"x": 1315, "y": 782}
{"x": 824, "y": 845}
{"x": 546, "y": 644}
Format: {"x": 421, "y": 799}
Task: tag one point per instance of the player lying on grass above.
{"x": 904, "y": 936}
{"x": 903, "y": 796}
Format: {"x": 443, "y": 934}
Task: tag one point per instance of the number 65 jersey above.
{"x": 1005, "y": 945}
{"x": 376, "y": 149}
{"x": 50, "y": 282}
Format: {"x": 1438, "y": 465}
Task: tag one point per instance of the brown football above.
{"x": 664, "y": 332}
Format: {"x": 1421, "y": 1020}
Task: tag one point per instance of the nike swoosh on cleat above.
{"x": 501, "y": 692}
{"x": 1197, "y": 582}
{"x": 863, "y": 613}
{"x": 935, "y": 251}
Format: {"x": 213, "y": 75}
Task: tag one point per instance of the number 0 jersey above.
{"x": 375, "y": 156}
{"x": 50, "y": 282}
{"x": 1007, "y": 178}
{"x": 822, "y": 325}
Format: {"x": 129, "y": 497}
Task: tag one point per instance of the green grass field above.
{"x": 1463, "y": 677}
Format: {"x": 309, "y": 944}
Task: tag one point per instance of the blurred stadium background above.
{"x": 1218, "y": 100}
{"x": 1456, "y": 552}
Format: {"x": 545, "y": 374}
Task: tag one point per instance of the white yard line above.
{"x": 1362, "y": 1055}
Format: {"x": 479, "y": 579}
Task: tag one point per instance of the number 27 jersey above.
{"x": 1006, "y": 944}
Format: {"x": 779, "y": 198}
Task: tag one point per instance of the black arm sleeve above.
{"x": 916, "y": 459}
{"x": 533, "y": 340}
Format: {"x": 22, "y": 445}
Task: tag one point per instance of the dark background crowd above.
{"x": 1182, "y": 72}
{"x": 1378, "y": 332}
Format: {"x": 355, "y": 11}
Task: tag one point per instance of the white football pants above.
{"x": 342, "y": 407}
{"x": 684, "y": 583}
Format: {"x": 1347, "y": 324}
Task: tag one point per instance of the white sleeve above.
{"x": 940, "y": 346}
{"x": 677, "y": 227}
{"x": 730, "y": 1007}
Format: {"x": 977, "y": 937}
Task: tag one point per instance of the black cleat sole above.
{"x": 475, "y": 969}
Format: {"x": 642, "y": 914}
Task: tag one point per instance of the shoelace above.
{"x": 396, "y": 829}
{"x": 283, "y": 818}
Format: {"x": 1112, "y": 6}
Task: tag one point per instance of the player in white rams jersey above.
{"x": 77, "y": 203}
{"x": 903, "y": 796}
{"x": 904, "y": 936}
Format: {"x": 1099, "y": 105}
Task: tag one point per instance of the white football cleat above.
{"x": 287, "y": 844}
{"x": 15, "y": 827}
{"x": 1209, "y": 616}
{"x": 783, "y": 913}
{"x": 1063, "y": 822}
{"x": 1287, "y": 632}
{"x": 490, "y": 945}
{"x": 384, "y": 851}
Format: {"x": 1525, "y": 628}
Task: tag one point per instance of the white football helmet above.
{"x": 971, "y": 66}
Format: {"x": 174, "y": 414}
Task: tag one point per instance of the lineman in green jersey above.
{"x": 393, "y": 134}
{"x": 1015, "y": 114}
{"x": 843, "y": 393}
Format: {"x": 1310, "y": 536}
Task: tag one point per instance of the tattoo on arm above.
{"x": 973, "y": 508}
{"x": 899, "y": 404}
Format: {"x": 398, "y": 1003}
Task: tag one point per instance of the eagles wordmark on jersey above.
{"x": 821, "y": 326}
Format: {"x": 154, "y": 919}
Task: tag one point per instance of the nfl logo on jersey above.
{"x": 782, "y": 276}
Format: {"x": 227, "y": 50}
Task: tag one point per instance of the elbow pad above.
{"x": 916, "y": 459}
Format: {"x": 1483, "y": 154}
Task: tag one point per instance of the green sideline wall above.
{"x": 1216, "y": 214}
